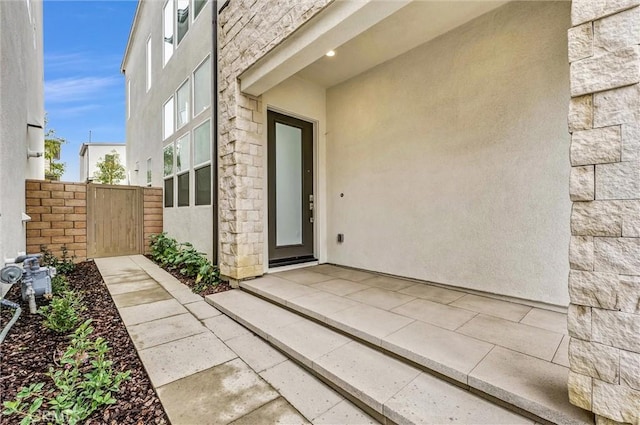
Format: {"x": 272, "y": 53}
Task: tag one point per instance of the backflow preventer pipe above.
{"x": 16, "y": 314}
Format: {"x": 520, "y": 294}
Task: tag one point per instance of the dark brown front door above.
{"x": 291, "y": 201}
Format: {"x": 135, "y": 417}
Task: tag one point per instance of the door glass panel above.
{"x": 288, "y": 185}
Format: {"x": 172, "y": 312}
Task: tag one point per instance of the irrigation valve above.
{"x": 35, "y": 280}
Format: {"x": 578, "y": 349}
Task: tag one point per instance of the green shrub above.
{"x": 65, "y": 265}
{"x": 63, "y": 312}
{"x": 167, "y": 252}
{"x": 59, "y": 284}
{"x": 84, "y": 381}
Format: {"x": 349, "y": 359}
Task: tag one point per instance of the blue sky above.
{"x": 84, "y": 42}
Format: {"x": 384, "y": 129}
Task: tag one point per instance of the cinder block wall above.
{"x": 152, "y": 214}
{"x": 58, "y": 214}
{"x": 604, "y": 282}
{"x": 247, "y": 31}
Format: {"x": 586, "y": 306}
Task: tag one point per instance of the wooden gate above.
{"x": 114, "y": 220}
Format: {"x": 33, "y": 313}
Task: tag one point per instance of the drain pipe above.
{"x": 16, "y": 314}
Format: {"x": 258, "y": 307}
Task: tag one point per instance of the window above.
{"x": 202, "y": 143}
{"x": 167, "y": 109}
{"x": 202, "y": 87}
{"x": 183, "y": 190}
{"x": 203, "y": 185}
{"x": 168, "y": 192}
{"x": 182, "y": 154}
{"x": 149, "y": 172}
{"x": 167, "y": 30}
{"x": 182, "y": 100}
{"x": 128, "y": 99}
{"x": 198, "y": 5}
{"x": 168, "y": 160}
{"x": 182, "y": 18}
{"x": 149, "y": 63}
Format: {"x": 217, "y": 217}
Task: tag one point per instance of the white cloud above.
{"x": 64, "y": 90}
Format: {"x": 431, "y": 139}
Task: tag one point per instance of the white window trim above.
{"x": 149, "y": 176}
{"x": 128, "y": 98}
{"x": 193, "y": 8}
{"x": 193, "y": 137}
{"x": 173, "y": 114}
{"x": 166, "y": 60}
{"x": 175, "y": 23}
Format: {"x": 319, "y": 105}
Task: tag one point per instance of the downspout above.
{"x": 216, "y": 132}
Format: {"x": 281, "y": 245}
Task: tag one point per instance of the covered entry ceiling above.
{"x": 411, "y": 26}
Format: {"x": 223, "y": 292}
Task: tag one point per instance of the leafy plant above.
{"x": 65, "y": 265}
{"x": 59, "y": 284}
{"x": 110, "y": 169}
{"x": 84, "y": 381}
{"x": 167, "y": 252}
{"x": 63, "y": 312}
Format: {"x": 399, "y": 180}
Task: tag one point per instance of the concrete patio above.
{"x": 205, "y": 367}
{"x": 375, "y": 336}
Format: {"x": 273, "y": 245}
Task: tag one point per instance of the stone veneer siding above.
{"x": 248, "y": 29}
{"x": 604, "y": 254}
{"x": 58, "y": 214}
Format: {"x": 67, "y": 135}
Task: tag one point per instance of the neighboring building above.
{"x": 92, "y": 153}
{"x": 21, "y": 116}
{"x": 433, "y": 144}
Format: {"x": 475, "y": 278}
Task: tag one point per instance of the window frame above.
{"x": 176, "y": 107}
{"x": 175, "y": 21}
{"x": 166, "y": 58}
{"x": 149, "y": 172}
{"x": 193, "y": 86}
{"x": 149, "y": 64}
{"x": 195, "y": 15}
{"x": 172, "y": 115}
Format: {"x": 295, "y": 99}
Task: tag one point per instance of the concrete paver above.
{"x": 562, "y": 355}
{"x": 367, "y": 374}
{"x": 381, "y": 298}
{"x": 218, "y": 395}
{"x": 437, "y": 314}
{"x": 321, "y": 304}
{"x": 429, "y": 400}
{"x": 344, "y": 413}
{"x": 545, "y": 319}
{"x": 126, "y": 278}
{"x": 138, "y": 285}
{"x": 543, "y": 388}
{"x": 177, "y": 359}
{"x": 304, "y": 277}
{"x": 305, "y": 392}
{"x": 388, "y": 283}
{"x": 184, "y": 295}
{"x": 305, "y": 341}
{"x": 498, "y": 308}
{"x": 150, "y": 334}
{"x": 141, "y": 297}
{"x": 369, "y": 323}
{"x": 276, "y": 412}
{"x": 202, "y": 310}
{"x": 258, "y": 354}
{"x": 352, "y": 275}
{"x": 339, "y": 286}
{"x": 225, "y": 328}
{"x": 432, "y": 293}
{"x": 525, "y": 339}
{"x": 444, "y": 351}
{"x": 152, "y": 311}
{"x": 282, "y": 289}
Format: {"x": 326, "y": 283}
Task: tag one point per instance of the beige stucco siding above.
{"x": 452, "y": 158}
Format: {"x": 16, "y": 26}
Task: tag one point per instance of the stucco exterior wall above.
{"x": 452, "y": 158}
{"x": 21, "y": 103}
{"x": 144, "y": 128}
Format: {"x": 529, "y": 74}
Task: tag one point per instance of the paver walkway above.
{"x": 205, "y": 367}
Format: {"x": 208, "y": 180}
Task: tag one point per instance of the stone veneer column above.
{"x": 604, "y": 255}
{"x": 247, "y": 30}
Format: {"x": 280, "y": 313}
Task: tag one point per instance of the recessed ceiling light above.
{"x": 331, "y": 53}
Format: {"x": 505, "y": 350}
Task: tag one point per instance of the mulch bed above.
{"x": 30, "y": 348}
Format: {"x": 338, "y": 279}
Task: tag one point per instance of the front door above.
{"x": 291, "y": 202}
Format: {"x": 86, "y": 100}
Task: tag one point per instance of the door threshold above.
{"x": 284, "y": 268}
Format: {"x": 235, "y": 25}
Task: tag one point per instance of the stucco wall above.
{"x": 21, "y": 103}
{"x": 144, "y": 127}
{"x": 452, "y": 158}
{"x": 308, "y": 103}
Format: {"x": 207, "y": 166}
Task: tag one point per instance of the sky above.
{"x": 84, "y": 42}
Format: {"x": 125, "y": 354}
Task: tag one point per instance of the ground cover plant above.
{"x": 90, "y": 374}
{"x": 188, "y": 265}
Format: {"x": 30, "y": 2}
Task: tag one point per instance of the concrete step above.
{"x": 527, "y": 383}
{"x": 389, "y": 388}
